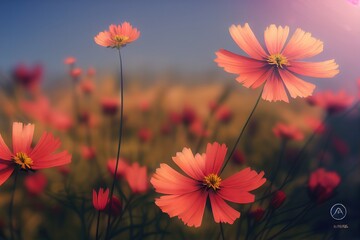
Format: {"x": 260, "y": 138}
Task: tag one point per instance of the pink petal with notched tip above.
{"x": 187, "y": 207}
{"x": 275, "y": 38}
{"x": 192, "y": 165}
{"x": 215, "y": 155}
{"x": 302, "y": 45}
{"x": 22, "y": 135}
{"x": 274, "y": 89}
{"x": 325, "y": 69}
{"x": 246, "y": 40}
{"x": 222, "y": 212}
{"x": 168, "y": 181}
{"x": 296, "y": 86}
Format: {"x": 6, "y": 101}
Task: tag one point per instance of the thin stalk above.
{"x": 11, "y": 208}
{"x": 242, "y": 132}
{"x": 119, "y": 143}
{"x": 97, "y": 225}
{"x": 222, "y": 231}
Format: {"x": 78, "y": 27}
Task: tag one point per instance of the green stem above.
{"x": 11, "y": 208}
{"x": 242, "y": 132}
{"x": 97, "y": 225}
{"x": 119, "y": 143}
{"x": 222, "y": 231}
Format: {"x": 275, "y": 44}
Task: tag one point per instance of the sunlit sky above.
{"x": 180, "y": 35}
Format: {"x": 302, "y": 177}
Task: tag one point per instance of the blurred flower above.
{"x": 188, "y": 115}
{"x": 37, "y": 109}
{"x": 186, "y": 196}
{"x": 175, "y": 118}
{"x": 116, "y": 206}
{"x": 59, "y": 120}
{"x": 316, "y": 125}
{"x": 145, "y": 135}
{"x": 100, "y": 199}
{"x": 257, "y": 213}
{"x": 110, "y": 105}
{"x": 64, "y": 170}
{"x": 279, "y": 65}
{"x": 70, "y": 61}
{"x": 117, "y": 36}
{"x": 35, "y": 183}
{"x": 137, "y": 178}
{"x": 91, "y": 72}
{"x": 87, "y": 86}
{"x": 87, "y": 152}
{"x": 197, "y": 128}
{"x": 277, "y": 199}
{"x": 25, "y": 157}
{"x": 322, "y": 184}
{"x": 144, "y": 105}
{"x": 223, "y": 114}
{"x": 288, "y": 132}
{"x": 238, "y": 157}
{"x": 28, "y": 78}
{"x": 76, "y": 73}
{"x": 340, "y": 146}
{"x": 122, "y": 167}
{"x": 213, "y": 105}
{"x": 331, "y": 102}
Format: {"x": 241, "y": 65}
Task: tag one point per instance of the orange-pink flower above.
{"x": 322, "y": 184}
{"x": 331, "y": 102}
{"x": 24, "y": 157}
{"x": 277, "y": 67}
{"x": 122, "y": 167}
{"x": 137, "y": 178}
{"x": 186, "y": 196}
{"x": 100, "y": 200}
{"x": 288, "y": 132}
{"x": 117, "y": 36}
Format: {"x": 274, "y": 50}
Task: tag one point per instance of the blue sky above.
{"x": 180, "y": 35}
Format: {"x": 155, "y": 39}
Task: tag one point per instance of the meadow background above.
{"x": 171, "y": 87}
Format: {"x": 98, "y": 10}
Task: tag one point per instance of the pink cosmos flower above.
{"x": 322, "y": 184}
{"x": 87, "y": 86}
{"x": 100, "y": 199}
{"x": 288, "y": 132}
{"x": 186, "y": 196}
{"x": 110, "y": 105}
{"x": 278, "y": 67}
{"x": 35, "y": 183}
{"x": 137, "y": 178}
{"x": 115, "y": 208}
{"x": 70, "y": 61}
{"x": 278, "y": 199}
{"x": 145, "y": 135}
{"x": 316, "y": 125}
{"x": 122, "y": 167}
{"x": 331, "y": 102}
{"x": 223, "y": 114}
{"x": 88, "y": 152}
{"x": 28, "y": 78}
{"x": 76, "y": 73}
{"x": 117, "y": 36}
{"x": 24, "y": 157}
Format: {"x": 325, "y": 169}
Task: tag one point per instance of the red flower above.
{"x": 121, "y": 170}
{"x": 186, "y": 196}
{"x": 278, "y": 199}
{"x": 70, "y": 61}
{"x": 28, "y": 78}
{"x": 137, "y": 178}
{"x": 87, "y": 152}
{"x": 331, "y": 102}
{"x": 100, "y": 200}
{"x": 116, "y": 206}
{"x": 238, "y": 157}
{"x": 110, "y": 105}
{"x": 287, "y": 132}
{"x": 35, "y": 183}
{"x": 257, "y": 213}
{"x": 24, "y": 157}
{"x": 322, "y": 184}
{"x": 223, "y": 114}
{"x": 145, "y": 135}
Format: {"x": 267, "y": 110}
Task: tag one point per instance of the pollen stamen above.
{"x": 120, "y": 40}
{"x": 23, "y": 160}
{"x": 278, "y": 60}
{"x": 212, "y": 181}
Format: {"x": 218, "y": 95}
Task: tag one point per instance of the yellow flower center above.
{"x": 120, "y": 40}
{"x": 23, "y": 160}
{"x": 212, "y": 181}
{"x": 277, "y": 59}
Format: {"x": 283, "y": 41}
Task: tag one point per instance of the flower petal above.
{"x": 302, "y": 45}
{"x": 53, "y": 160}
{"x": 246, "y": 40}
{"x": 168, "y": 181}
{"x": 192, "y": 166}
{"x": 5, "y": 153}
{"x": 325, "y": 69}
{"x": 274, "y": 89}
{"x": 5, "y": 172}
{"x": 188, "y": 207}
{"x": 215, "y": 155}
{"x": 245, "y": 180}
{"x": 222, "y": 212}
{"x": 275, "y": 38}
{"x": 296, "y": 86}
{"x": 45, "y": 146}
{"x": 22, "y": 136}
